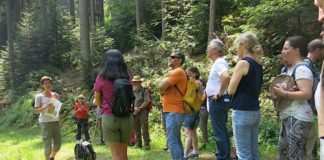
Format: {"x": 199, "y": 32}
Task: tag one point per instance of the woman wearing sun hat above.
{"x": 81, "y": 110}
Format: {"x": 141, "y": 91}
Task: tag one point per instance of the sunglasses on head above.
{"x": 173, "y": 57}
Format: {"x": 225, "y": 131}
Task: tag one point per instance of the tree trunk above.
{"x": 85, "y": 40}
{"x": 101, "y": 12}
{"x": 92, "y": 13}
{"x": 11, "y": 53}
{"x": 72, "y": 10}
{"x": 163, "y": 20}
{"x": 138, "y": 16}
{"x": 212, "y": 15}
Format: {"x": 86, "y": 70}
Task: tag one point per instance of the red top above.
{"x": 81, "y": 110}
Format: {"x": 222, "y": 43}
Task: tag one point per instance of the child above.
{"x": 81, "y": 110}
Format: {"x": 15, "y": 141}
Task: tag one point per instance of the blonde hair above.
{"x": 251, "y": 44}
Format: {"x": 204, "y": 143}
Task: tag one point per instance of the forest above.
{"x": 67, "y": 39}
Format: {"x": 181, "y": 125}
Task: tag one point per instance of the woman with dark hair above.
{"x": 191, "y": 121}
{"x": 116, "y": 129}
{"x": 296, "y": 118}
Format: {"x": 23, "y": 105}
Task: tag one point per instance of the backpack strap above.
{"x": 293, "y": 74}
{"x": 177, "y": 88}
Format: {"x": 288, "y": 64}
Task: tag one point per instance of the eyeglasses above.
{"x": 173, "y": 57}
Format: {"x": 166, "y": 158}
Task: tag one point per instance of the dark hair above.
{"x": 113, "y": 66}
{"x": 298, "y": 42}
{"x": 194, "y": 70}
{"x": 314, "y": 44}
{"x": 181, "y": 55}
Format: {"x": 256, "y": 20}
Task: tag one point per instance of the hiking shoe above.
{"x": 193, "y": 155}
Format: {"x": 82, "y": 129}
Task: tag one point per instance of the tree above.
{"x": 101, "y": 12}
{"x": 138, "y": 16}
{"x": 212, "y": 17}
{"x": 85, "y": 40}
{"x": 72, "y": 10}
{"x": 10, "y": 45}
{"x": 163, "y": 20}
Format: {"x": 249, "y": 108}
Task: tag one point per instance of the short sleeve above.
{"x": 175, "y": 76}
{"x": 303, "y": 72}
{"x": 38, "y": 101}
{"x": 98, "y": 84}
{"x": 146, "y": 95}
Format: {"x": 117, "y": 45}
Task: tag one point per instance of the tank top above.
{"x": 247, "y": 94}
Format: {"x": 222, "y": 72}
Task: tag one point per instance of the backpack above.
{"x": 192, "y": 100}
{"x": 315, "y": 83}
{"x": 149, "y": 106}
{"x": 84, "y": 150}
{"x": 123, "y": 98}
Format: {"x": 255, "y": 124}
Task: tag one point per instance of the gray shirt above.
{"x": 141, "y": 96}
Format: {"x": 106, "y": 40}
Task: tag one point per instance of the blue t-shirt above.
{"x": 247, "y": 94}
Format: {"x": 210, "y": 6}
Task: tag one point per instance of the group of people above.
{"x": 240, "y": 91}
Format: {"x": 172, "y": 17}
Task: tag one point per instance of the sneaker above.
{"x": 193, "y": 155}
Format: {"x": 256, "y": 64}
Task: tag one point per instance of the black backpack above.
{"x": 123, "y": 98}
{"x": 83, "y": 150}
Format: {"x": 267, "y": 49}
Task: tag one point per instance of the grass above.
{"x": 26, "y": 144}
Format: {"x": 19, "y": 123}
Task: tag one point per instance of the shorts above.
{"x": 51, "y": 131}
{"x": 117, "y": 129}
{"x": 191, "y": 121}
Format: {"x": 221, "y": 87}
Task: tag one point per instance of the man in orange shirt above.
{"x": 81, "y": 110}
{"x": 173, "y": 103}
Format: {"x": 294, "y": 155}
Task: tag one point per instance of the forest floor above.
{"x": 26, "y": 144}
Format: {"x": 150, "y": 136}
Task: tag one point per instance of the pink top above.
{"x": 106, "y": 90}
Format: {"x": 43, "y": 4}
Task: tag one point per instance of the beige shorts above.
{"x": 51, "y": 131}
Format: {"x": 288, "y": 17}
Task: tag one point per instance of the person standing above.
{"x": 172, "y": 101}
{"x": 296, "y": 118}
{"x": 81, "y": 110}
{"x": 215, "y": 89}
{"x": 245, "y": 87}
{"x": 141, "y": 113}
{"x": 116, "y": 129}
{"x": 50, "y": 126}
{"x": 191, "y": 121}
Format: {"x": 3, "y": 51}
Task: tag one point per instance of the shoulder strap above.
{"x": 178, "y": 90}
{"x": 301, "y": 64}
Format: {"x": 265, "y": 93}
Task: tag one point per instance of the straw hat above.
{"x": 80, "y": 96}
{"x": 137, "y": 79}
{"x": 288, "y": 82}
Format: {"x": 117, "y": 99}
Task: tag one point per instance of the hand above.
{"x": 49, "y": 105}
{"x": 279, "y": 90}
{"x": 136, "y": 111}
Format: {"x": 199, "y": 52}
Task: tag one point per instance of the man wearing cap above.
{"x": 172, "y": 103}
{"x": 141, "y": 113}
{"x": 81, "y": 110}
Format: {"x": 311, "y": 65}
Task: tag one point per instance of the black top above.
{"x": 247, "y": 94}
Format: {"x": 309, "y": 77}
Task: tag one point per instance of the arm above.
{"x": 146, "y": 99}
{"x": 164, "y": 86}
{"x": 304, "y": 92}
{"x": 97, "y": 99}
{"x": 241, "y": 69}
{"x": 225, "y": 79}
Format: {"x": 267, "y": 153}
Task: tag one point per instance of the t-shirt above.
{"x": 141, "y": 96}
{"x": 106, "y": 89}
{"x": 83, "y": 113}
{"x": 172, "y": 100}
{"x": 41, "y": 100}
{"x": 317, "y": 97}
{"x": 299, "y": 109}
{"x": 214, "y": 82}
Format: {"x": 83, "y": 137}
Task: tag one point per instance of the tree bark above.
{"x": 11, "y": 53}
{"x": 85, "y": 40}
{"x": 212, "y": 15}
{"x": 101, "y": 12}
{"x": 163, "y": 20}
{"x": 93, "y": 14}
{"x": 72, "y": 10}
{"x": 138, "y": 16}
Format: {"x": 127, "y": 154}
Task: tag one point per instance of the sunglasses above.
{"x": 173, "y": 57}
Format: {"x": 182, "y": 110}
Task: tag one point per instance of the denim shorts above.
{"x": 117, "y": 129}
{"x": 191, "y": 121}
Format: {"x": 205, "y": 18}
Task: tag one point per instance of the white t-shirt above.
{"x": 41, "y": 100}
{"x": 214, "y": 83}
{"x": 300, "y": 109}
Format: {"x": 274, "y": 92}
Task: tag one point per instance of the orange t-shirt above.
{"x": 172, "y": 99}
